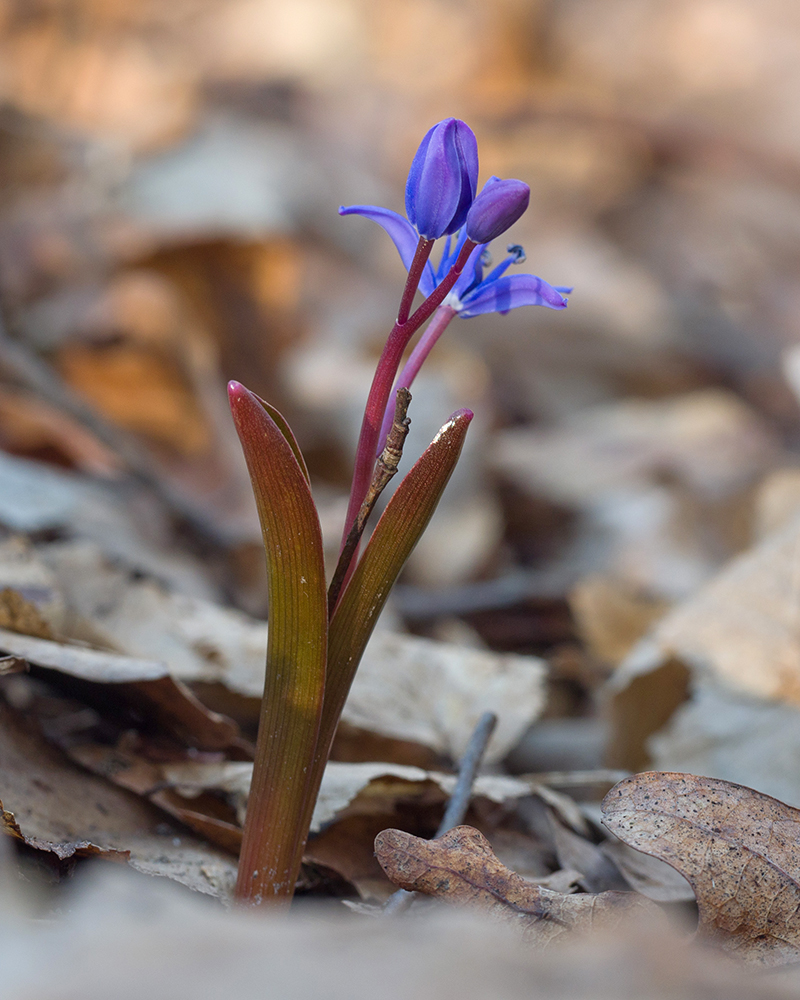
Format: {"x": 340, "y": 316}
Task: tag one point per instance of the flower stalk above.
{"x": 316, "y": 640}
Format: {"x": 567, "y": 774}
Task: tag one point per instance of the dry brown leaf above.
{"x": 652, "y": 878}
{"x": 709, "y": 440}
{"x": 23, "y": 616}
{"x": 741, "y": 627}
{"x": 140, "y": 390}
{"x": 650, "y": 476}
{"x": 461, "y": 867}
{"x": 738, "y": 848}
{"x": 738, "y": 634}
{"x": 53, "y": 806}
{"x": 79, "y": 661}
{"x": 435, "y": 692}
{"x": 31, "y": 427}
{"x": 611, "y": 616}
{"x": 598, "y": 872}
{"x": 12, "y": 665}
{"x": 194, "y": 639}
{"x": 407, "y": 688}
{"x": 142, "y": 682}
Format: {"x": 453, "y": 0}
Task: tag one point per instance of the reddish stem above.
{"x": 438, "y": 325}
{"x": 421, "y": 256}
{"x": 382, "y": 384}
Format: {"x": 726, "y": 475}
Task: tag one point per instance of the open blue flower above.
{"x": 475, "y": 292}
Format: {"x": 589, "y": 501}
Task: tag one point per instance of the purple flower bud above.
{"x": 443, "y": 179}
{"x": 496, "y": 208}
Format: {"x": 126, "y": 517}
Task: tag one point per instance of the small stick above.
{"x": 457, "y": 807}
{"x": 385, "y": 468}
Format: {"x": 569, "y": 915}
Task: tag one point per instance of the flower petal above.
{"x": 403, "y": 234}
{"x": 511, "y": 293}
{"x": 471, "y": 274}
{"x": 496, "y": 208}
{"x": 467, "y": 146}
{"x": 442, "y": 179}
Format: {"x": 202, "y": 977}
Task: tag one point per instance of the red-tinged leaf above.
{"x": 275, "y": 829}
{"x": 406, "y": 516}
{"x": 287, "y": 432}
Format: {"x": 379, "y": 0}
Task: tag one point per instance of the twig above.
{"x": 385, "y": 468}
{"x": 457, "y": 807}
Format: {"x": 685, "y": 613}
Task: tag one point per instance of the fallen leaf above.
{"x": 648, "y": 875}
{"x": 708, "y": 439}
{"x": 80, "y": 661}
{"x": 742, "y": 625}
{"x": 649, "y": 478}
{"x": 598, "y": 872}
{"x": 738, "y": 633}
{"x": 724, "y": 734}
{"x": 12, "y": 665}
{"x": 434, "y": 693}
{"x": 406, "y": 688}
{"x": 738, "y": 848}
{"x": 142, "y": 682}
{"x": 24, "y": 573}
{"x": 195, "y": 639}
{"x": 460, "y": 867}
{"x": 347, "y": 789}
{"x": 31, "y": 427}
{"x": 20, "y": 615}
{"x": 38, "y": 498}
{"x": 611, "y": 616}
{"x": 54, "y": 806}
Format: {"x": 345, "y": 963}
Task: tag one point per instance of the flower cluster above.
{"x": 441, "y": 201}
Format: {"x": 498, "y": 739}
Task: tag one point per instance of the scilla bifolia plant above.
{"x": 316, "y": 638}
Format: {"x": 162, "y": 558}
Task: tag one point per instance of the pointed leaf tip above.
{"x": 237, "y": 393}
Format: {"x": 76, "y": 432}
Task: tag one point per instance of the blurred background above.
{"x": 170, "y": 182}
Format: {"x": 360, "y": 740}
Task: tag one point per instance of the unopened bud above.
{"x": 496, "y": 208}
{"x": 443, "y": 179}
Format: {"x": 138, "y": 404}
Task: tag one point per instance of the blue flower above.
{"x": 496, "y": 209}
{"x": 443, "y": 179}
{"x": 475, "y": 292}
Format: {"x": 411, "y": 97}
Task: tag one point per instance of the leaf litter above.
{"x": 643, "y": 429}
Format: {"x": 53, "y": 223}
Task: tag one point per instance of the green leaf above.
{"x": 406, "y": 516}
{"x": 275, "y": 828}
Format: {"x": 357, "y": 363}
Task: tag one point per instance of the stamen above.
{"x": 517, "y": 252}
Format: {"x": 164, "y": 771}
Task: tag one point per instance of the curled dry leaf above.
{"x": 407, "y": 688}
{"x": 142, "y": 683}
{"x": 461, "y": 867}
{"x": 54, "y": 807}
{"x": 738, "y": 848}
{"x": 435, "y": 692}
{"x": 211, "y": 798}
{"x": 738, "y": 633}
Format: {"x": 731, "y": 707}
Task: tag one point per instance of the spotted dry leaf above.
{"x": 460, "y": 867}
{"x": 738, "y": 848}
